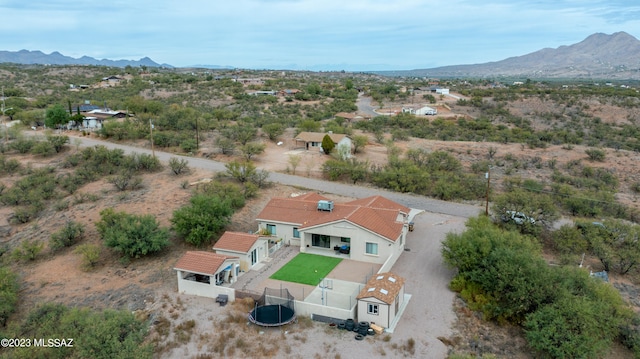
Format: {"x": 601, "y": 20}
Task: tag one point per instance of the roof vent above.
{"x": 325, "y": 205}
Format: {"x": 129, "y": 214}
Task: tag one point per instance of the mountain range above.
{"x": 55, "y": 58}
{"x": 599, "y": 56}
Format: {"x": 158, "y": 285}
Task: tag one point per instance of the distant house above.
{"x": 289, "y": 92}
{"x": 105, "y": 113}
{"x": 381, "y": 298}
{"x": 350, "y": 117}
{"x": 111, "y": 78}
{"x": 424, "y": 110}
{"x": 262, "y": 93}
{"x": 251, "y": 249}
{"x": 311, "y": 140}
{"x": 205, "y": 274}
{"x": 371, "y": 229}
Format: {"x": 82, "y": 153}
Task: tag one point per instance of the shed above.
{"x": 380, "y": 299}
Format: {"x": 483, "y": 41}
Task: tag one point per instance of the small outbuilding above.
{"x": 250, "y": 249}
{"x": 206, "y": 274}
{"x": 380, "y": 300}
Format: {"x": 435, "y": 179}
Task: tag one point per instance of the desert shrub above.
{"x": 57, "y": 142}
{"x": 565, "y": 313}
{"x": 9, "y": 287}
{"x": 28, "y": 250}
{"x": 43, "y": 148}
{"x": 596, "y": 154}
{"x": 90, "y": 255}
{"x": 97, "y": 334}
{"x": 142, "y": 162}
{"x": 67, "y": 236}
{"x": 132, "y": 235}
{"x": 126, "y": 180}
{"x": 26, "y": 213}
{"x": 23, "y": 145}
{"x": 178, "y": 165}
{"x": 189, "y": 145}
{"x": 9, "y": 166}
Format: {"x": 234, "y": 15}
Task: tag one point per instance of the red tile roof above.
{"x": 378, "y": 215}
{"x": 236, "y": 241}
{"x": 383, "y": 286}
{"x": 201, "y": 262}
{"x": 380, "y": 202}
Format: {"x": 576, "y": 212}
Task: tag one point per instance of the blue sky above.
{"x": 309, "y": 34}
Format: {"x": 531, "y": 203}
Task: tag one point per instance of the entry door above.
{"x": 254, "y": 256}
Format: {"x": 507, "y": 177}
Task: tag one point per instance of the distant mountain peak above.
{"x": 56, "y": 58}
{"x": 599, "y": 56}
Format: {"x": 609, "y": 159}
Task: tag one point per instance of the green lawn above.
{"x": 306, "y": 269}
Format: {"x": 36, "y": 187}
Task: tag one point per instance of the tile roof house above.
{"x": 250, "y": 249}
{"x": 205, "y": 273}
{"x": 371, "y": 229}
{"x": 380, "y": 299}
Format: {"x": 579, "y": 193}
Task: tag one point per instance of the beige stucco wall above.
{"x": 359, "y": 238}
{"x": 245, "y": 258}
{"x": 382, "y": 319}
{"x": 203, "y": 289}
{"x": 284, "y": 231}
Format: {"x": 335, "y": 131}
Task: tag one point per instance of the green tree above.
{"x": 56, "y": 115}
{"x": 251, "y": 149}
{"x": 616, "y": 244}
{"x": 241, "y": 171}
{"x": 273, "y": 130}
{"x": 58, "y": 142}
{"x": 132, "y": 235}
{"x": 359, "y": 142}
{"x": 294, "y": 161}
{"x": 327, "y": 144}
{"x": 204, "y": 217}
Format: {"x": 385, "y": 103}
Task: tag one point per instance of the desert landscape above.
{"x": 437, "y": 324}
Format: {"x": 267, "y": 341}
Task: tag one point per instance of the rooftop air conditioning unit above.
{"x": 325, "y": 206}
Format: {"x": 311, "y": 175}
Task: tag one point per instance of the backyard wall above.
{"x": 203, "y": 289}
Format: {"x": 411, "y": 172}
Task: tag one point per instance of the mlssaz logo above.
{"x": 54, "y": 343}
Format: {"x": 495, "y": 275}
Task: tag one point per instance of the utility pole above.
{"x": 197, "y": 135}
{"x": 151, "y": 133}
{"x": 487, "y": 175}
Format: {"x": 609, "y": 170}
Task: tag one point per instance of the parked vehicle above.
{"x": 517, "y": 217}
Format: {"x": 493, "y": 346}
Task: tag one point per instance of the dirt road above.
{"x": 409, "y": 200}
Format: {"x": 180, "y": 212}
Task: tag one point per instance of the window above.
{"x": 372, "y": 309}
{"x": 319, "y": 240}
{"x": 372, "y": 248}
{"x": 271, "y": 228}
{"x": 345, "y": 239}
{"x": 296, "y": 234}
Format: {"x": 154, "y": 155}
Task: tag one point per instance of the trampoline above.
{"x": 274, "y": 308}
